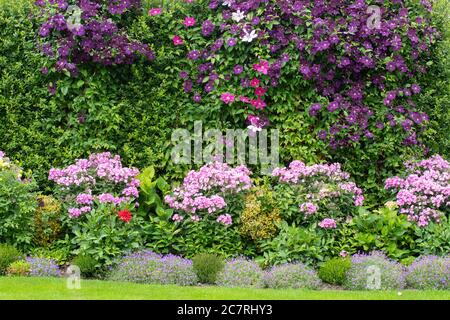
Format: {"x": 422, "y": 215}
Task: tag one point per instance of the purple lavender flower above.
{"x": 241, "y": 272}
{"x": 292, "y": 275}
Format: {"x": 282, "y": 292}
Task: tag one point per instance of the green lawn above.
{"x": 52, "y": 288}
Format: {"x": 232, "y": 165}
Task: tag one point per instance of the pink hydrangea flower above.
{"x": 225, "y": 219}
{"x": 327, "y": 223}
{"x": 177, "y": 218}
{"x": 308, "y": 208}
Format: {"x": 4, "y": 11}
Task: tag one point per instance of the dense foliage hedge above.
{"x": 132, "y": 110}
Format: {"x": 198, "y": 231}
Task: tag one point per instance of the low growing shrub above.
{"x": 293, "y": 243}
{"x": 43, "y": 267}
{"x": 429, "y": 273}
{"x": 241, "y": 272}
{"x": 292, "y": 275}
{"x": 207, "y": 266}
{"x": 374, "y": 271}
{"x": 47, "y": 221}
{"x": 260, "y": 215}
{"x": 87, "y": 264}
{"x": 8, "y": 255}
{"x": 17, "y": 205}
{"x": 19, "y": 268}
{"x": 333, "y": 271}
{"x": 152, "y": 268}
{"x": 382, "y": 230}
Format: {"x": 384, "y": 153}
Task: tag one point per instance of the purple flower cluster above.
{"x": 43, "y": 267}
{"x": 374, "y": 271}
{"x": 100, "y": 178}
{"x": 334, "y": 47}
{"x": 205, "y": 190}
{"x": 429, "y": 273}
{"x": 424, "y": 195}
{"x": 151, "y": 268}
{"x": 80, "y": 31}
{"x": 292, "y": 275}
{"x": 241, "y": 272}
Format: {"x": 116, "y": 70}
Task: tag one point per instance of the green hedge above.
{"x": 132, "y": 110}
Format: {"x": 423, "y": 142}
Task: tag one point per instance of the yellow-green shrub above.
{"x": 259, "y": 218}
{"x": 19, "y": 268}
{"x": 47, "y": 222}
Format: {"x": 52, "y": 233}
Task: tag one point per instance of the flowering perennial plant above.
{"x": 151, "y": 268}
{"x": 241, "y": 272}
{"x": 321, "y": 192}
{"x": 81, "y": 31}
{"x": 424, "y": 195}
{"x": 206, "y": 191}
{"x": 43, "y": 267}
{"x": 367, "y": 269}
{"x": 292, "y": 275}
{"x": 249, "y": 47}
{"x": 101, "y": 179}
{"x": 429, "y": 273}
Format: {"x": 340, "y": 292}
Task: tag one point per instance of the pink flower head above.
{"x": 227, "y": 98}
{"x": 328, "y": 223}
{"x": 308, "y": 208}
{"x": 244, "y": 99}
{"x": 225, "y": 219}
{"x": 343, "y": 254}
{"x": 177, "y": 218}
{"x": 154, "y": 11}
{"x": 262, "y": 67}
{"x": 259, "y": 104}
{"x": 195, "y": 218}
{"x": 255, "y": 83}
{"x": 189, "y": 22}
{"x": 260, "y": 91}
{"x": 177, "y": 40}
{"x": 84, "y": 198}
{"x": 74, "y": 212}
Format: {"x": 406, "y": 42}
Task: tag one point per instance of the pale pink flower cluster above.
{"x": 225, "y": 219}
{"x": 322, "y": 181}
{"x": 425, "y": 193}
{"x": 177, "y": 218}
{"x": 308, "y": 208}
{"x": 327, "y": 223}
{"x": 100, "y": 178}
{"x": 297, "y": 171}
{"x": 205, "y": 189}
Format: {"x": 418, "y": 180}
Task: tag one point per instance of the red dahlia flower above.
{"x": 125, "y": 215}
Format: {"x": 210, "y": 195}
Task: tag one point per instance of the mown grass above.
{"x": 13, "y": 288}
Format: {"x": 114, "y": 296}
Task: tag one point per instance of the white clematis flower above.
{"x": 238, "y": 16}
{"x": 249, "y": 37}
{"x": 227, "y": 3}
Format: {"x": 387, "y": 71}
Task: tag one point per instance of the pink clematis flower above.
{"x": 177, "y": 40}
{"x": 189, "y": 22}
{"x": 262, "y": 67}
{"x": 227, "y": 97}
{"x": 154, "y": 11}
